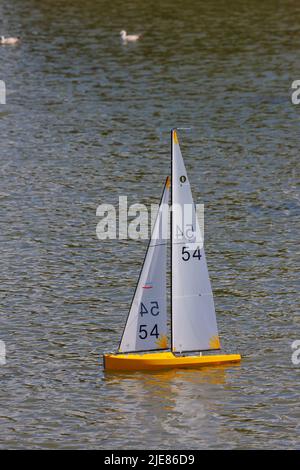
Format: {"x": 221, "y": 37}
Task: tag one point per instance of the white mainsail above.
{"x": 194, "y": 326}
{"x": 146, "y": 326}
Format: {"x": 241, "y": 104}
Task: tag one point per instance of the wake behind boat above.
{"x": 193, "y": 319}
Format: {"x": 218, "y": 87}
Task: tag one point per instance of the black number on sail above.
{"x": 143, "y": 309}
{"x": 155, "y": 309}
{"x": 197, "y": 254}
{"x": 186, "y": 255}
{"x": 143, "y": 333}
{"x": 154, "y": 332}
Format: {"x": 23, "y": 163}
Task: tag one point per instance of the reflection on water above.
{"x": 176, "y": 400}
{"x": 87, "y": 119}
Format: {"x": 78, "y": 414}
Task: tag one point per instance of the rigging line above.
{"x": 201, "y": 294}
{"x": 188, "y": 242}
{"x": 158, "y": 244}
{"x": 140, "y": 274}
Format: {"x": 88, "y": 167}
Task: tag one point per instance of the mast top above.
{"x": 175, "y": 137}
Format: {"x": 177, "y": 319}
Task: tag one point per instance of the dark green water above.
{"x": 87, "y": 119}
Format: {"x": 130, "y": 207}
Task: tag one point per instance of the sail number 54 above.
{"x": 143, "y": 333}
{"x": 186, "y": 255}
{"x": 154, "y": 309}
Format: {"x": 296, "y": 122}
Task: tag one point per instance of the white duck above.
{"x": 8, "y": 41}
{"x": 129, "y": 37}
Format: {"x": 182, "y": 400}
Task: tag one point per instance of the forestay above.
{"x": 146, "y": 327}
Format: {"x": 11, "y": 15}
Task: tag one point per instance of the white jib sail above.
{"x": 146, "y": 327}
{"x": 194, "y": 326}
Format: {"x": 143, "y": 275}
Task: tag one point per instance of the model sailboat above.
{"x": 193, "y": 319}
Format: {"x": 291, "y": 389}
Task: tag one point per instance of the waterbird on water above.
{"x": 9, "y": 41}
{"x": 129, "y": 37}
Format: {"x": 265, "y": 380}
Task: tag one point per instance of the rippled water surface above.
{"x": 87, "y": 119}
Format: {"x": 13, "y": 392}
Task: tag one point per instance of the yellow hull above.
{"x": 164, "y": 360}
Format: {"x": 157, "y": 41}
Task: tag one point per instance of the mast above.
{"x": 171, "y": 244}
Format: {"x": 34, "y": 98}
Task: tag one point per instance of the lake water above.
{"x": 87, "y": 119}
